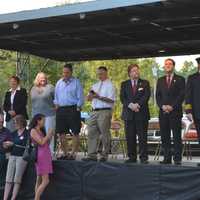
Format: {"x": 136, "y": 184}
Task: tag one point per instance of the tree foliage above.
{"x": 86, "y": 72}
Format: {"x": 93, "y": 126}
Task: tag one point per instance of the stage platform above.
{"x": 78, "y": 180}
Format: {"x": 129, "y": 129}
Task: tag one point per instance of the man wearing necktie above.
{"x": 170, "y": 93}
{"x": 134, "y": 95}
{"x": 192, "y": 99}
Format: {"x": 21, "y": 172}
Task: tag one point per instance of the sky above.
{"x": 179, "y": 60}
{"x": 8, "y": 6}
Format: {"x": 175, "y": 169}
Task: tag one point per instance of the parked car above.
{"x": 154, "y": 128}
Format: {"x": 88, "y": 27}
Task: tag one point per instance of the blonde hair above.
{"x": 36, "y": 82}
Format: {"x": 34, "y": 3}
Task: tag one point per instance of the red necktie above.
{"x": 168, "y": 81}
{"x": 134, "y": 86}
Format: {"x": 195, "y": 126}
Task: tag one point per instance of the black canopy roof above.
{"x": 105, "y": 29}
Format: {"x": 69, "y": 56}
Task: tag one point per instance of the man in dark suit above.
{"x": 134, "y": 96}
{"x": 15, "y": 102}
{"x": 170, "y": 96}
{"x": 192, "y": 98}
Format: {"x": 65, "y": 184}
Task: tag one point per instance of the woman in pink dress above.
{"x": 44, "y": 160}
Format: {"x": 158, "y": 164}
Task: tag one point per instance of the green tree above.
{"x": 85, "y": 71}
{"x": 7, "y": 69}
{"x": 187, "y": 69}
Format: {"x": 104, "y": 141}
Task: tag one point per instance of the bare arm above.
{"x": 39, "y": 140}
{"x": 110, "y": 97}
{"x": 94, "y": 95}
{"x": 108, "y": 100}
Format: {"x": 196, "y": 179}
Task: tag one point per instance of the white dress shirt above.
{"x": 134, "y": 82}
{"x": 12, "y": 96}
{"x": 103, "y": 89}
{"x": 171, "y": 77}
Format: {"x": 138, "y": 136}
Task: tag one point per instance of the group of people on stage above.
{"x": 58, "y": 110}
{"x": 15, "y": 136}
{"x": 171, "y": 91}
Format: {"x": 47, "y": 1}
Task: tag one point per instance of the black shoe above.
{"x": 87, "y": 159}
{"x": 102, "y": 159}
{"x": 130, "y": 160}
{"x": 165, "y": 162}
{"x": 144, "y": 161}
{"x": 177, "y": 162}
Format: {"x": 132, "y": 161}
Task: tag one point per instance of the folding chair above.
{"x": 190, "y": 136}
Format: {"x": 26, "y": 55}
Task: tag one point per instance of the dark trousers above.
{"x": 2, "y": 169}
{"x": 135, "y": 128}
{"x": 168, "y": 124}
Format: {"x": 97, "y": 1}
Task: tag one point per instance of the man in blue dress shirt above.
{"x": 69, "y": 99}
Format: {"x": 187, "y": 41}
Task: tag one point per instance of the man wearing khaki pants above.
{"x": 102, "y": 96}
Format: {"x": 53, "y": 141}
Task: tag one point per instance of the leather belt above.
{"x": 99, "y": 109}
{"x": 72, "y": 106}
